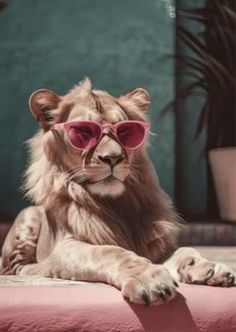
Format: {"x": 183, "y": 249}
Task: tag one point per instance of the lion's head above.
{"x": 106, "y": 167}
{"x": 73, "y": 177}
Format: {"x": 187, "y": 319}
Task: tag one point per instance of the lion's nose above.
{"x": 111, "y": 160}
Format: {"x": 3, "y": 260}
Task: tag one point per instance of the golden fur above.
{"x": 91, "y": 223}
{"x": 129, "y": 220}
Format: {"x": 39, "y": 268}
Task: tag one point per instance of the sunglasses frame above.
{"x": 93, "y": 142}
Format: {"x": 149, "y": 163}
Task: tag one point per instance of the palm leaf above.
{"x": 196, "y": 88}
{"x": 231, "y": 13}
{"x": 198, "y": 47}
{"x": 209, "y": 66}
{"x": 191, "y": 62}
{"x": 193, "y": 15}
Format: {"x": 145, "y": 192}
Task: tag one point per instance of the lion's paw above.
{"x": 154, "y": 285}
{"x": 223, "y": 276}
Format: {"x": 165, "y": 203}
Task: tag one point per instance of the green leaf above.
{"x": 196, "y": 45}
{"x": 231, "y": 13}
{"x": 197, "y": 14}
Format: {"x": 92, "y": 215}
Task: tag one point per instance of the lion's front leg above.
{"x": 138, "y": 279}
{"x": 188, "y": 266}
{"x": 20, "y": 244}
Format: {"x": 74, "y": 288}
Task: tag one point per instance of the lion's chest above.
{"x": 88, "y": 226}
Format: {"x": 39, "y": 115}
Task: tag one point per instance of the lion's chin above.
{"x": 112, "y": 188}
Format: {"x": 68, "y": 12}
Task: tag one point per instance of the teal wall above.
{"x": 119, "y": 44}
{"x": 191, "y": 179}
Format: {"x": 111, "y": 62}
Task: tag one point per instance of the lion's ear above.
{"x": 138, "y": 97}
{"x": 41, "y": 104}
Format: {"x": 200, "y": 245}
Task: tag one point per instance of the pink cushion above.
{"x": 94, "y": 307}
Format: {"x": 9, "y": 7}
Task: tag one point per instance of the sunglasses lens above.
{"x": 130, "y": 134}
{"x": 82, "y": 133}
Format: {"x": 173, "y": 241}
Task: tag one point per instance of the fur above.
{"x": 100, "y": 223}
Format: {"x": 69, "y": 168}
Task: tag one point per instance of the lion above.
{"x": 99, "y": 212}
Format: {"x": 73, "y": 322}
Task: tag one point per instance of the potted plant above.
{"x": 211, "y": 64}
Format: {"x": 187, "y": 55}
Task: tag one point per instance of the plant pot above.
{"x": 223, "y": 166}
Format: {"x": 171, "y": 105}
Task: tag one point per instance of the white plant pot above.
{"x": 223, "y": 165}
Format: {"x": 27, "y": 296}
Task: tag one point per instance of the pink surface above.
{"x": 93, "y": 307}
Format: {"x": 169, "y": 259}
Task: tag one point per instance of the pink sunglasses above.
{"x": 83, "y": 135}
